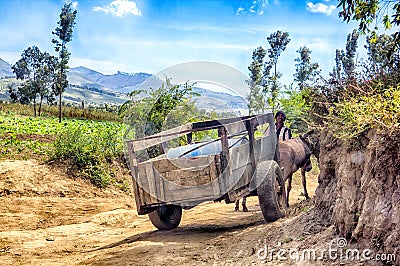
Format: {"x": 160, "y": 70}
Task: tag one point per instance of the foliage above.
{"x": 24, "y": 137}
{"x": 348, "y": 58}
{"x": 356, "y": 100}
{"x": 278, "y": 42}
{"x": 90, "y": 146}
{"x": 343, "y": 76}
{"x": 264, "y": 85}
{"x": 256, "y": 98}
{"x": 163, "y": 108}
{"x": 305, "y": 70}
{"x": 383, "y": 56}
{"x": 147, "y": 115}
{"x": 37, "y": 69}
{"x": 366, "y": 12}
{"x": 297, "y": 105}
{"x": 371, "y": 110}
{"x": 93, "y": 113}
{"x": 64, "y": 34}
{"x": 257, "y": 64}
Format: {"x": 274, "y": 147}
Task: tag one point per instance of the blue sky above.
{"x": 151, "y": 35}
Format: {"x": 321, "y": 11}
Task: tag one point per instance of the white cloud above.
{"x": 119, "y": 8}
{"x": 320, "y": 8}
{"x": 74, "y": 5}
{"x": 239, "y": 10}
{"x": 257, "y": 7}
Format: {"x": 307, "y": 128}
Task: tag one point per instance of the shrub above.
{"x": 90, "y": 146}
{"x": 379, "y": 110}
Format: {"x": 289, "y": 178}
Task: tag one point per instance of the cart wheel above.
{"x": 166, "y": 217}
{"x": 271, "y": 191}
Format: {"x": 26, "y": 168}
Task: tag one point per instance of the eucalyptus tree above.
{"x": 256, "y": 101}
{"x": 64, "y": 35}
{"x": 305, "y": 69}
{"x": 369, "y": 11}
{"x": 278, "y": 42}
{"x": 349, "y": 57}
{"x": 31, "y": 68}
{"x": 336, "y": 74}
{"x": 47, "y": 78}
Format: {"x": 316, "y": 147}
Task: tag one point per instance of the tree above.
{"x": 305, "y": 70}
{"x": 47, "y": 78}
{"x": 13, "y": 93}
{"x": 256, "y": 98}
{"x": 278, "y": 42}
{"x": 64, "y": 34}
{"x": 349, "y": 58}
{"x": 163, "y": 108}
{"x": 336, "y": 74}
{"x": 383, "y": 54}
{"x": 33, "y": 67}
{"x": 366, "y": 12}
{"x": 297, "y": 106}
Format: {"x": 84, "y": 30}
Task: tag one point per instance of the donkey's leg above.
{"x": 289, "y": 187}
{"x": 303, "y": 178}
{"x": 244, "y": 204}
{"x": 237, "y": 205}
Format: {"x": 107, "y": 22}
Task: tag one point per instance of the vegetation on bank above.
{"x": 364, "y": 94}
{"x": 369, "y": 110}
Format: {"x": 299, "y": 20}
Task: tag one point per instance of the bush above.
{"x": 379, "y": 110}
{"x": 90, "y": 146}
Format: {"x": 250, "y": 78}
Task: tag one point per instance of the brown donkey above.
{"x": 295, "y": 154}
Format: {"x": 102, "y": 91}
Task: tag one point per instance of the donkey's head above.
{"x": 311, "y": 139}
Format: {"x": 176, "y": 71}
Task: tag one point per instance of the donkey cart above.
{"x": 235, "y": 164}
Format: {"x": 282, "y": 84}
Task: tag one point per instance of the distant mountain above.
{"x": 5, "y": 69}
{"x": 218, "y": 100}
{"x": 123, "y": 82}
{"x": 96, "y": 88}
{"x": 120, "y": 82}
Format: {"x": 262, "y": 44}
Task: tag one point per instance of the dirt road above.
{"x": 47, "y": 218}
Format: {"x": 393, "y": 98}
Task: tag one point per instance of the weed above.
{"x": 287, "y": 239}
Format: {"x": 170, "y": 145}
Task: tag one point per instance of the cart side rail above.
{"x": 232, "y": 125}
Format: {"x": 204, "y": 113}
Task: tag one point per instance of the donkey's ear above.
{"x": 308, "y": 133}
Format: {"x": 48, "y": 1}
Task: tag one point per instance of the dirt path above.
{"x": 49, "y": 219}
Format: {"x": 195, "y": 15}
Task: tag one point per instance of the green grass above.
{"x": 92, "y": 113}
{"x": 89, "y": 144}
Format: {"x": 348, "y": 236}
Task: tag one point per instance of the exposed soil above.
{"x": 48, "y": 218}
{"x": 359, "y": 190}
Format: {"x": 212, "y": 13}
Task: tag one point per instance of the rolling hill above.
{"x": 96, "y": 88}
{"x": 5, "y": 69}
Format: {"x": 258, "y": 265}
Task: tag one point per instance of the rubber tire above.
{"x": 166, "y": 217}
{"x": 271, "y": 192}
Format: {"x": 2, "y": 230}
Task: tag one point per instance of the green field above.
{"x": 88, "y": 146}
{"x": 23, "y": 137}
